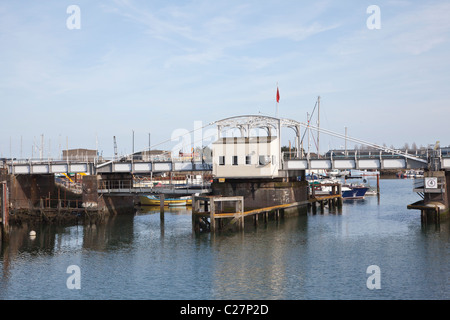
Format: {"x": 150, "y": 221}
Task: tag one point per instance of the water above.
{"x": 323, "y": 256}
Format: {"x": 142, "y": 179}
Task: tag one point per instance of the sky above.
{"x": 143, "y": 71}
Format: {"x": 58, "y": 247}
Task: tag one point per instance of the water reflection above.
{"x": 256, "y": 264}
{"x": 314, "y": 256}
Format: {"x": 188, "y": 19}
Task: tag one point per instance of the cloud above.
{"x": 201, "y": 33}
{"x": 419, "y": 29}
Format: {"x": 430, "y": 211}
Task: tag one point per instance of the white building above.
{"x": 244, "y": 157}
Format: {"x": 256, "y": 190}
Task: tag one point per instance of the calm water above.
{"x": 309, "y": 257}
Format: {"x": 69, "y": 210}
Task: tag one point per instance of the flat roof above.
{"x": 238, "y": 140}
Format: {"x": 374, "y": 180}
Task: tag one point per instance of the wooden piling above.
{"x": 4, "y": 212}
{"x": 212, "y": 217}
{"x": 378, "y": 183}
{"x": 161, "y": 206}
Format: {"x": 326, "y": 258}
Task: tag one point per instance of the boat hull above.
{"x": 175, "y": 202}
{"x": 355, "y": 193}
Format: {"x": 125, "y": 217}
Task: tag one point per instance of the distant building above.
{"x": 153, "y": 155}
{"x": 79, "y": 155}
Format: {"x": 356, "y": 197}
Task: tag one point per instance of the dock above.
{"x": 217, "y": 213}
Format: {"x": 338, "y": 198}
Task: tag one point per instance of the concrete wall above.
{"x": 111, "y": 204}
{"x": 26, "y": 188}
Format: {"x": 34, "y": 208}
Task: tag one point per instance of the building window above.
{"x": 248, "y": 159}
{"x": 221, "y": 161}
{"x": 235, "y": 160}
{"x": 264, "y": 160}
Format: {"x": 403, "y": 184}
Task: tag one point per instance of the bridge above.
{"x": 381, "y": 158}
{"x": 374, "y": 161}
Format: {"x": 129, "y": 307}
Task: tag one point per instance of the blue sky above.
{"x": 158, "y": 66}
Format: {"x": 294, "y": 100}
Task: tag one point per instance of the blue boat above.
{"x": 354, "y": 192}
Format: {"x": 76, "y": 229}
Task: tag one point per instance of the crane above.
{"x": 115, "y": 148}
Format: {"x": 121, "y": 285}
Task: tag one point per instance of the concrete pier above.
{"x": 217, "y": 213}
{"x": 261, "y": 193}
{"x": 113, "y": 203}
{"x": 435, "y": 190}
{"x": 235, "y": 203}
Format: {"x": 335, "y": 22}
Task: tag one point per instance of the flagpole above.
{"x": 276, "y": 115}
{"x": 278, "y": 100}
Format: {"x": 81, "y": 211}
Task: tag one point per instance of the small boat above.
{"x": 354, "y": 192}
{"x": 170, "y": 202}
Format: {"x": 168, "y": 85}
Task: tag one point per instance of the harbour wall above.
{"x": 38, "y": 198}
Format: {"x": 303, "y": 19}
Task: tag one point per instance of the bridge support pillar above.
{"x": 122, "y": 201}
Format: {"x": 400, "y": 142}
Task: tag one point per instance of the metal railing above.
{"x": 137, "y": 187}
{"x": 349, "y": 155}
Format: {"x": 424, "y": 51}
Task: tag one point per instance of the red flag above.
{"x": 278, "y": 95}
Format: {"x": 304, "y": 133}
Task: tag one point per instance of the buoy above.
{"x": 32, "y": 233}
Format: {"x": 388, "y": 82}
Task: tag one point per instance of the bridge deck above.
{"x": 135, "y": 167}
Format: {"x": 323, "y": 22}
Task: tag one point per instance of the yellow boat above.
{"x": 170, "y": 202}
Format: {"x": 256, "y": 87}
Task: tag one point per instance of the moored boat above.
{"x": 171, "y": 202}
{"x": 354, "y": 192}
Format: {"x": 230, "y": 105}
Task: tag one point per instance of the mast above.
{"x": 307, "y": 117}
{"x": 318, "y": 126}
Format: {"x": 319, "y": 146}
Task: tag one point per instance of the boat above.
{"x": 322, "y": 186}
{"x": 170, "y": 202}
{"x": 348, "y": 191}
{"x": 334, "y": 173}
{"x": 354, "y": 191}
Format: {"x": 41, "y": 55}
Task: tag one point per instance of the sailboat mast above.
{"x": 318, "y": 126}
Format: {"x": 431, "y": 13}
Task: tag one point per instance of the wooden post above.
{"x": 241, "y": 211}
{"x": 438, "y": 215}
{"x": 161, "y": 206}
{"x": 4, "y": 212}
{"x": 339, "y": 192}
{"x": 195, "y": 210}
{"x": 378, "y": 183}
{"x": 212, "y": 212}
